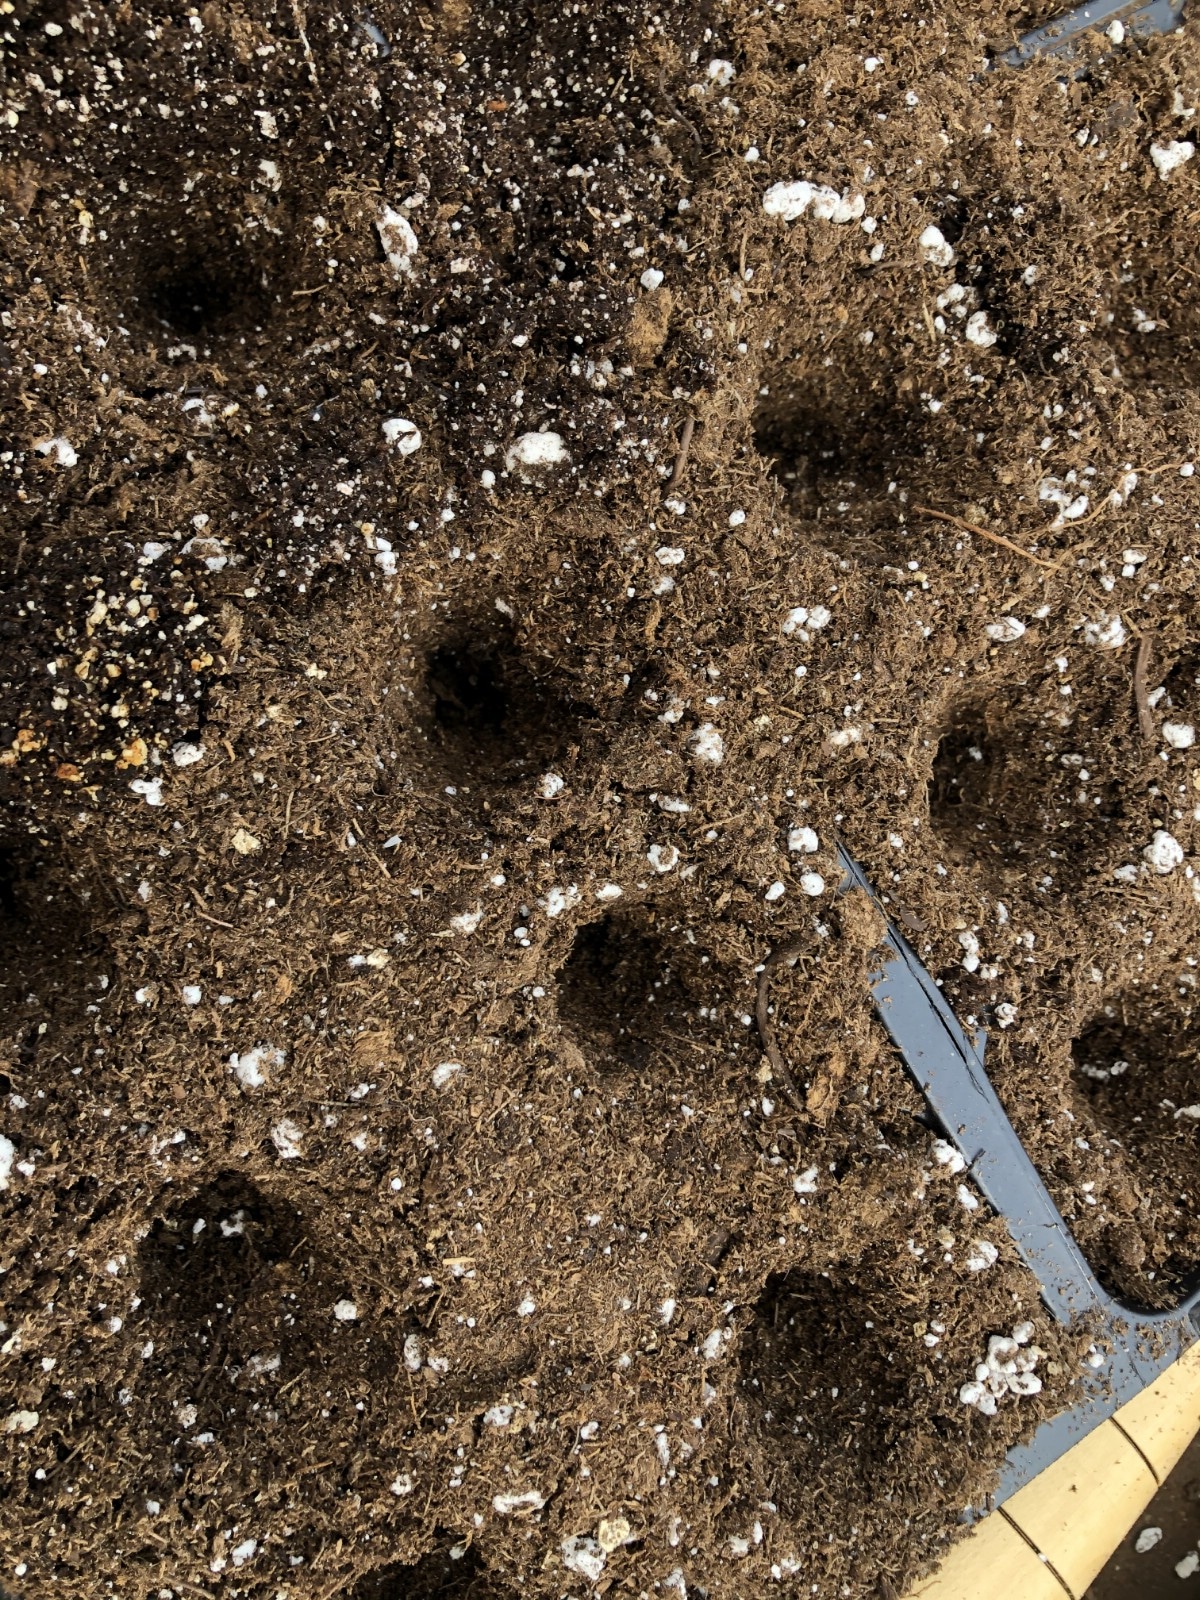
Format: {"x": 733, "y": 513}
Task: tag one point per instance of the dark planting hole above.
{"x": 211, "y": 274}
{"x": 823, "y": 454}
{"x": 469, "y": 697}
{"x": 451, "y": 1572}
{"x": 493, "y": 716}
{"x": 960, "y": 800}
{"x": 191, "y": 301}
{"x": 849, "y": 461}
{"x": 1137, "y": 1081}
{"x": 633, "y": 987}
{"x": 45, "y": 932}
{"x": 1182, "y": 684}
{"x": 216, "y": 1253}
{"x": 1020, "y": 791}
{"x": 1153, "y": 310}
{"x": 818, "y": 1372}
{"x": 211, "y": 296}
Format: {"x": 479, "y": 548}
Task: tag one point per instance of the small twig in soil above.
{"x": 200, "y": 912}
{"x": 685, "y": 444}
{"x": 672, "y": 107}
{"x": 766, "y": 1027}
{"x": 983, "y": 533}
{"x": 1141, "y": 667}
{"x": 298, "y": 18}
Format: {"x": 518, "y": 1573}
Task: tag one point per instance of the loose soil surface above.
{"x": 391, "y": 1207}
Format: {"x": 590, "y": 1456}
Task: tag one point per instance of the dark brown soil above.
{"x": 394, "y": 1210}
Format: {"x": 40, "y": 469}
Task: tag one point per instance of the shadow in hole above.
{"x": 203, "y": 272}
{"x": 215, "y": 1252}
{"x": 1005, "y": 788}
{"x": 846, "y": 459}
{"x": 1136, "y": 1076}
{"x": 633, "y": 987}
{"x": 206, "y": 296}
{"x": 46, "y": 933}
{"x": 817, "y": 1367}
{"x": 441, "y": 1575}
{"x": 1182, "y": 683}
{"x": 492, "y": 716}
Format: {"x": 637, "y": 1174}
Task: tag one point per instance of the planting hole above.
{"x": 818, "y": 1372}
{"x": 632, "y": 987}
{"x": 209, "y": 295}
{"x": 198, "y": 297}
{"x": 492, "y": 717}
{"x": 452, "y": 1572}
{"x": 960, "y": 791}
{"x": 45, "y": 939}
{"x": 821, "y": 456}
{"x": 210, "y": 275}
{"x": 216, "y": 1253}
{"x": 1137, "y": 1075}
{"x": 850, "y": 457}
{"x": 1024, "y": 793}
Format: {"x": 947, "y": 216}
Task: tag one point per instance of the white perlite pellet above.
{"x": 252, "y": 1068}
{"x": 1007, "y": 1369}
{"x": 1005, "y": 630}
{"x": 399, "y": 241}
{"x": 706, "y": 745}
{"x": 934, "y": 248}
{"x": 983, "y": 1254}
{"x": 581, "y": 1554}
{"x": 288, "y": 1139}
{"x": 1172, "y": 155}
{"x": 507, "y": 1505}
{"x": 61, "y": 449}
{"x": 790, "y": 201}
{"x": 663, "y": 857}
{"x": 1106, "y": 632}
{"x": 403, "y": 436}
{"x": 535, "y": 453}
{"x": 978, "y": 332}
{"x": 1164, "y": 852}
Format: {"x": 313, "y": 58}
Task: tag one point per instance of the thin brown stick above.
{"x": 200, "y": 912}
{"x": 685, "y": 444}
{"x": 766, "y": 1028}
{"x": 665, "y": 97}
{"x": 1141, "y": 668}
{"x": 982, "y": 533}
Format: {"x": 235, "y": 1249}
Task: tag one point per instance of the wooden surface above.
{"x": 1054, "y": 1536}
